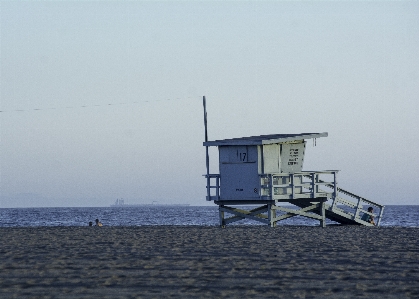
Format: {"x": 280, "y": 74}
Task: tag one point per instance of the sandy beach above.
{"x": 209, "y": 262}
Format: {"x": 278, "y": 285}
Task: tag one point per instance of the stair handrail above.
{"x": 351, "y": 194}
{"x": 359, "y": 198}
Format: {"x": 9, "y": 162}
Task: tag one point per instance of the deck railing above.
{"x": 213, "y": 184}
{"x": 305, "y": 184}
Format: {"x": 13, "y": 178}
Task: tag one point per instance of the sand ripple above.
{"x": 209, "y": 262}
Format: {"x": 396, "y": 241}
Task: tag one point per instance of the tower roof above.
{"x": 265, "y": 139}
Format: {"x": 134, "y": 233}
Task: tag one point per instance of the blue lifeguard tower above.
{"x": 266, "y": 172}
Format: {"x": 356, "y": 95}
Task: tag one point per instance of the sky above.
{"x": 102, "y": 100}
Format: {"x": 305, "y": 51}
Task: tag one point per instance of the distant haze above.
{"x": 103, "y": 100}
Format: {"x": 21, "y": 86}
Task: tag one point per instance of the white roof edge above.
{"x": 264, "y": 141}
{"x": 237, "y": 142}
{"x": 308, "y": 136}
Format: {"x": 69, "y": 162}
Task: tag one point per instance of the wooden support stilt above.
{"x": 299, "y": 212}
{"x": 239, "y": 214}
{"x": 272, "y": 216}
{"x": 322, "y": 214}
{"x": 267, "y": 213}
{"x": 221, "y": 214}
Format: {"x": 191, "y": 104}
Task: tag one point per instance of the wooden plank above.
{"x": 299, "y": 195}
{"x": 240, "y": 214}
{"x": 233, "y": 202}
{"x": 233, "y": 219}
{"x": 300, "y": 212}
{"x": 272, "y": 215}
{"x": 244, "y": 212}
{"x": 322, "y": 215}
{"x": 346, "y": 202}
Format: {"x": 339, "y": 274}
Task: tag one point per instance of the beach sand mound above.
{"x": 209, "y": 262}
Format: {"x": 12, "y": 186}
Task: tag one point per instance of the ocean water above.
{"x": 394, "y": 215}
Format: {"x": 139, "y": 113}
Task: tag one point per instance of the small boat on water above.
{"x": 120, "y": 203}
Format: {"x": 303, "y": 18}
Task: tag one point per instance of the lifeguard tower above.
{"x": 267, "y": 172}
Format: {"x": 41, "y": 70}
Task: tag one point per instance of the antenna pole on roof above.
{"x": 206, "y": 149}
{"x": 205, "y": 118}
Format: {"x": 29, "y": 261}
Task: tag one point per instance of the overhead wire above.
{"x": 88, "y": 106}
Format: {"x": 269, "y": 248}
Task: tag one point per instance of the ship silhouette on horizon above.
{"x": 120, "y": 203}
